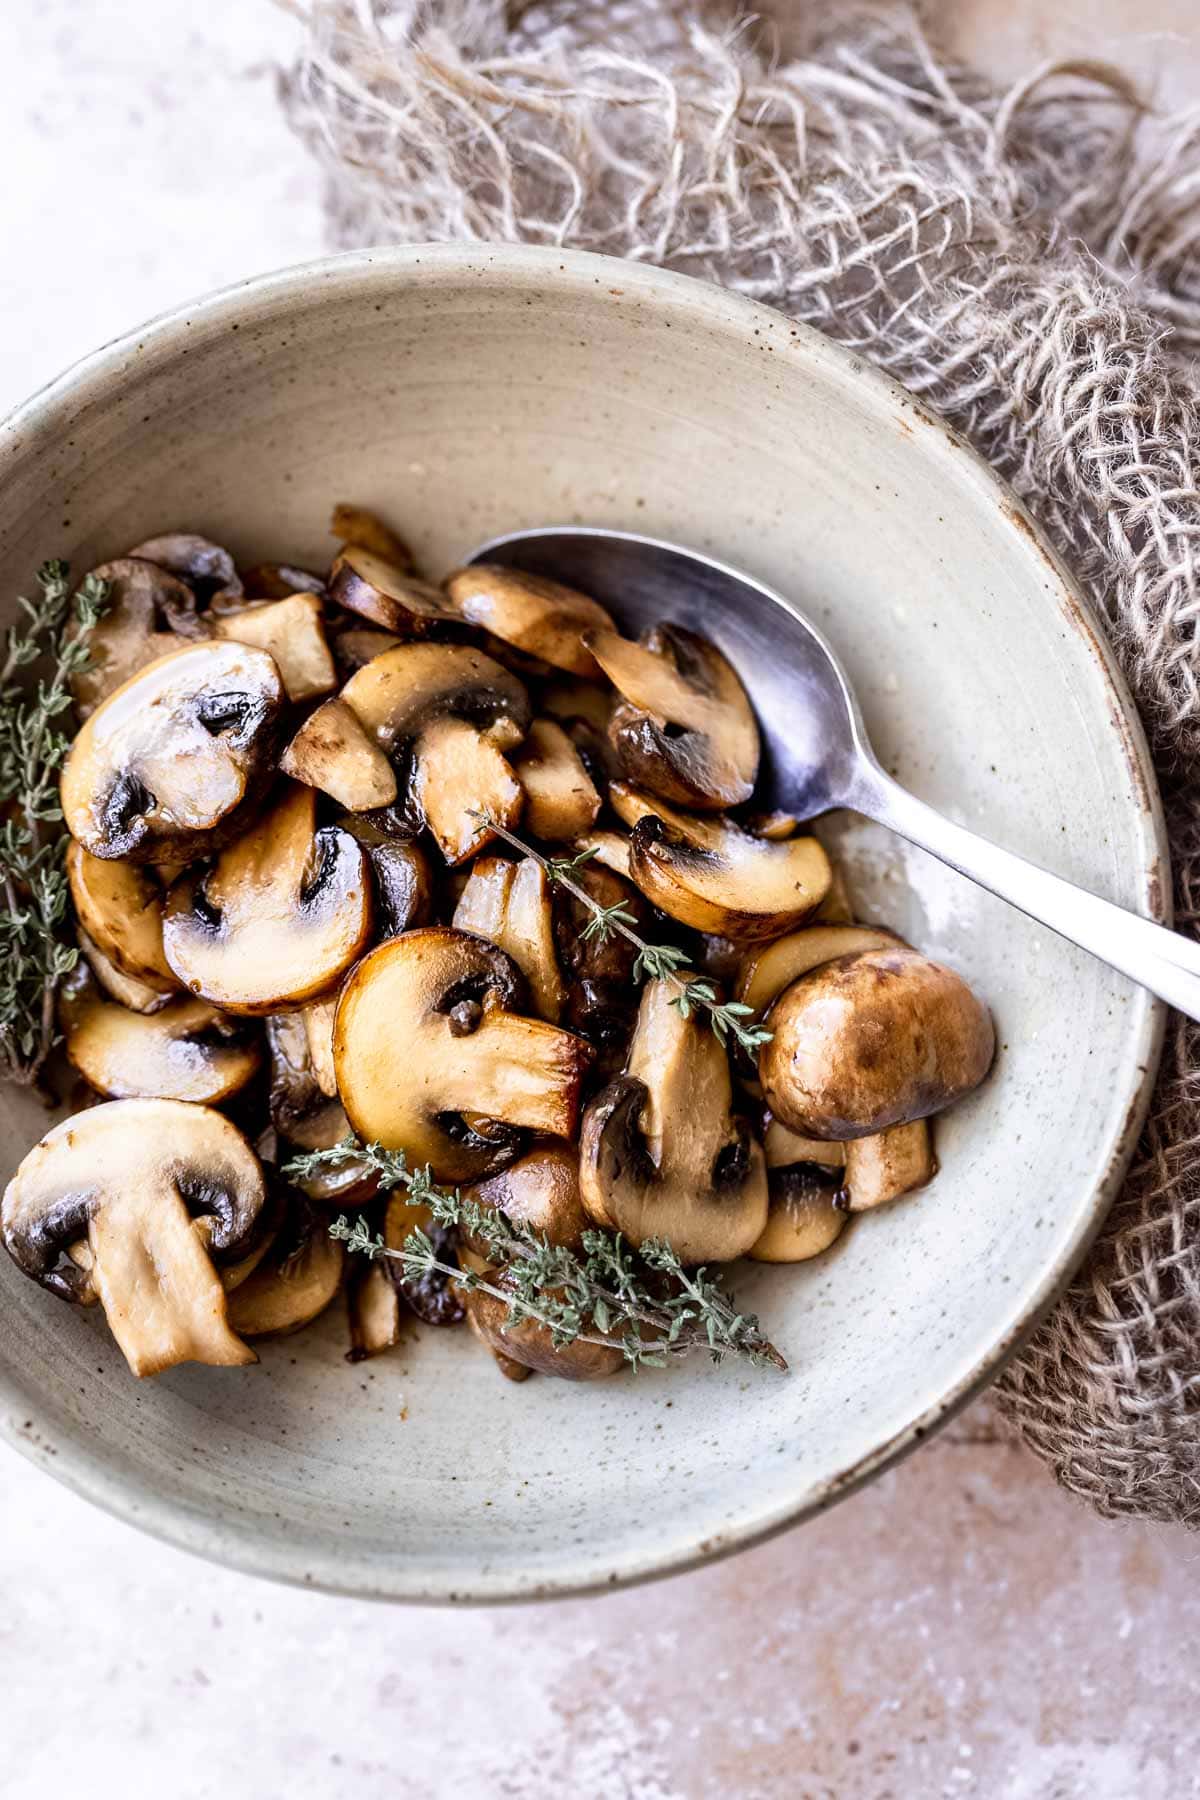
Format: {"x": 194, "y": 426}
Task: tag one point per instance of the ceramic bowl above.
{"x": 465, "y": 392}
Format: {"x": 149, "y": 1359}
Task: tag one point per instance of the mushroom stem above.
{"x": 518, "y": 1073}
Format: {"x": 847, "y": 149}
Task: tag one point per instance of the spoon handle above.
{"x": 1161, "y": 960}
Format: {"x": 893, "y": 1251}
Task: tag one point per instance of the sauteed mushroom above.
{"x": 128, "y": 990}
{"x": 358, "y": 525}
{"x": 143, "y": 598}
{"x": 388, "y": 595}
{"x": 292, "y": 632}
{"x": 687, "y": 731}
{"x": 403, "y": 878}
{"x": 509, "y": 904}
{"x": 281, "y": 915}
{"x": 119, "y": 906}
{"x": 662, "y": 1154}
{"x": 456, "y": 711}
{"x": 803, "y": 1219}
{"x": 207, "y": 568}
{"x": 158, "y": 1189}
{"x": 560, "y": 797}
{"x": 441, "y": 1005}
{"x": 185, "y": 1051}
{"x": 333, "y": 752}
{"x": 539, "y": 617}
{"x": 295, "y": 1281}
{"x": 712, "y": 875}
{"x": 888, "y": 1164}
{"x": 307, "y": 1117}
{"x": 170, "y": 758}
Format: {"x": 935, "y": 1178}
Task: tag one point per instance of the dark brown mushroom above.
{"x": 159, "y": 1190}
{"x": 441, "y": 1005}
{"x": 187, "y": 1050}
{"x": 432, "y": 1295}
{"x": 207, "y": 568}
{"x": 686, "y": 730}
{"x": 391, "y": 597}
{"x": 279, "y": 917}
{"x": 539, "y": 617}
{"x": 172, "y": 758}
{"x": 308, "y": 1118}
{"x": 601, "y": 994}
{"x": 403, "y": 877}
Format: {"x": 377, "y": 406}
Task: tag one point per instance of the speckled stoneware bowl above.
{"x": 465, "y": 392}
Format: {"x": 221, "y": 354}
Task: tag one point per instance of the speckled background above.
{"x": 959, "y": 1628}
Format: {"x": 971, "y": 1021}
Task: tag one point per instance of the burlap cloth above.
{"x": 1029, "y": 262}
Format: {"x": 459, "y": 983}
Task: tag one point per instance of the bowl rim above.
{"x": 252, "y": 1550}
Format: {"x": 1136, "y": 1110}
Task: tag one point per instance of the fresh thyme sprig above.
{"x": 659, "y": 962}
{"x": 600, "y": 1296}
{"x": 33, "y": 957}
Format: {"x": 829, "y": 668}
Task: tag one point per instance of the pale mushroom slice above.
{"x": 454, "y": 712}
{"x": 307, "y": 1118}
{"x": 686, "y": 730}
{"x": 318, "y": 1019}
{"x": 766, "y": 969}
{"x": 712, "y": 875}
{"x": 403, "y": 878}
{"x": 358, "y": 525}
{"x": 561, "y": 801}
{"x": 539, "y": 617}
{"x": 292, "y": 632}
{"x": 169, "y": 760}
{"x": 279, "y": 917}
{"x": 148, "y": 611}
{"x": 373, "y": 1307}
{"x": 804, "y": 1217}
{"x": 440, "y": 1006}
{"x": 295, "y": 1281}
{"x": 509, "y": 903}
{"x": 127, "y": 990}
{"x": 391, "y": 597}
{"x": 871, "y": 1040}
{"x": 207, "y": 568}
{"x": 662, "y": 1154}
{"x": 332, "y": 751}
{"x": 159, "y": 1190}
{"x": 888, "y": 1164}
{"x": 119, "y": 906}
{"x": 610, "y": 849}
{"x": 186, "y": 1051}
{"x": 784, "y": 1148}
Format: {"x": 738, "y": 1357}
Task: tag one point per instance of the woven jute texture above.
{"x": 1029, "y": 262}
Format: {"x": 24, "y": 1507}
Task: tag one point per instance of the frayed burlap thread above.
{"x": 1029, "y": 262}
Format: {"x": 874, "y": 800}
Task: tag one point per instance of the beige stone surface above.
{"x": 959, "y": 1628}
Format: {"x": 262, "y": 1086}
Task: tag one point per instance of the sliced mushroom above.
{"x": 541, "y": 1191}
{"x": 569, "y": 699}
{"x": 440, "y": 1005}
{"x": 456, "y": 712}
{"x": 275, "y": 581}
{"x": 172, "y": 757}
{"x": 159, "y": 1190}
{"x": 539, "y": 617}
{"x": 835, "y": 908}
{"x": 687, "y": 731}
{"x": 318, "y": 1029}
{"x": 294, "y": 1282}
{"x": 767, "y": 969}
{"x": 143, "y": 598}
{"x": 602, "y": 995}
{"x": 804, "y": 1217}
{"x": 391, "y": 597}
{"x": 610, "y": 849}
{"x": 662, "y": 1154}
{"x": 358, "y": 525}
{"x": 127, "y": 990}
{"x": 403, "y": 878}
{"x": 207, "y": 568}
{"x": 873, "y": 1040}
{"x": 292, "y": 631}
{"x": 783, "y": 1148}
{"x": 560, "y": 797}
{"x": 119, "y": 906}
{"x": 712, "y": 875}
{"x": 333, "y": 752}
{"x": 187, "y": 1051}
{"x": 280, "y": 916}
{"x": 309, "y": 1119}
{"x": 888, "y": 1164}
{"x": 509, "y": 904}
{"x": 355, "y": 646}
{"x": 432, "y": 1295}
{"x": 373, "y": 1307}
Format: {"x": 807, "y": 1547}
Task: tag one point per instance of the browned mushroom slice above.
{"x": 333, "y": 752}
{"x": 309, "y": 1119}
{"x": 530, "y": 1343}
{"x": 560, "y": 797}
{"x": 602, "y": 996}
{"x": 509, "y": 904}
{"x": 570, "y": 698}
{"x": 186, "y": 1051}
{"x": 143, "y": 599}
{"x": 294, "y": 1282}
{"x": 687, "y": 731}
{"x": 784, "y": 1148}
{"x": 207, "y": 568}
{"x": 318, "y": 1029}
{"x": 391, "y": 597}
{"x": 127, "y": 990}
{"x": 873, "y": 1040}
{"x": 170, "y": 758}
{"x": 275, "y": 581}
{"x": 439, "y": 1005}
{"x": 373, "y": 1308}
{"x": 803, "y": 1220}
{"x": 433, "y": 1295}
{"x": 292, "y": 631}
{"x": 610, "y": 849}
{"x": 542, "y": 1192}
{"x": 159, "y": 1190}
{"x": 766, "y": 969}
{"x": 278, "y": 919}
{"x": 358, "y": 525}
{"x": 712, "y": 875}
{"x": 662, "y": 1154}
{"x": 119, "y": 906}
{"x": 455, "y": 712}
{"x": 355, "y": 646}
{"x": 403, "y": 878}
{"x": 539, "y": 617}
{"x": 888, "y": 1164}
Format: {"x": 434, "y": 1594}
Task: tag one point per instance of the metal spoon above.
{"x": 817, "y": 756}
